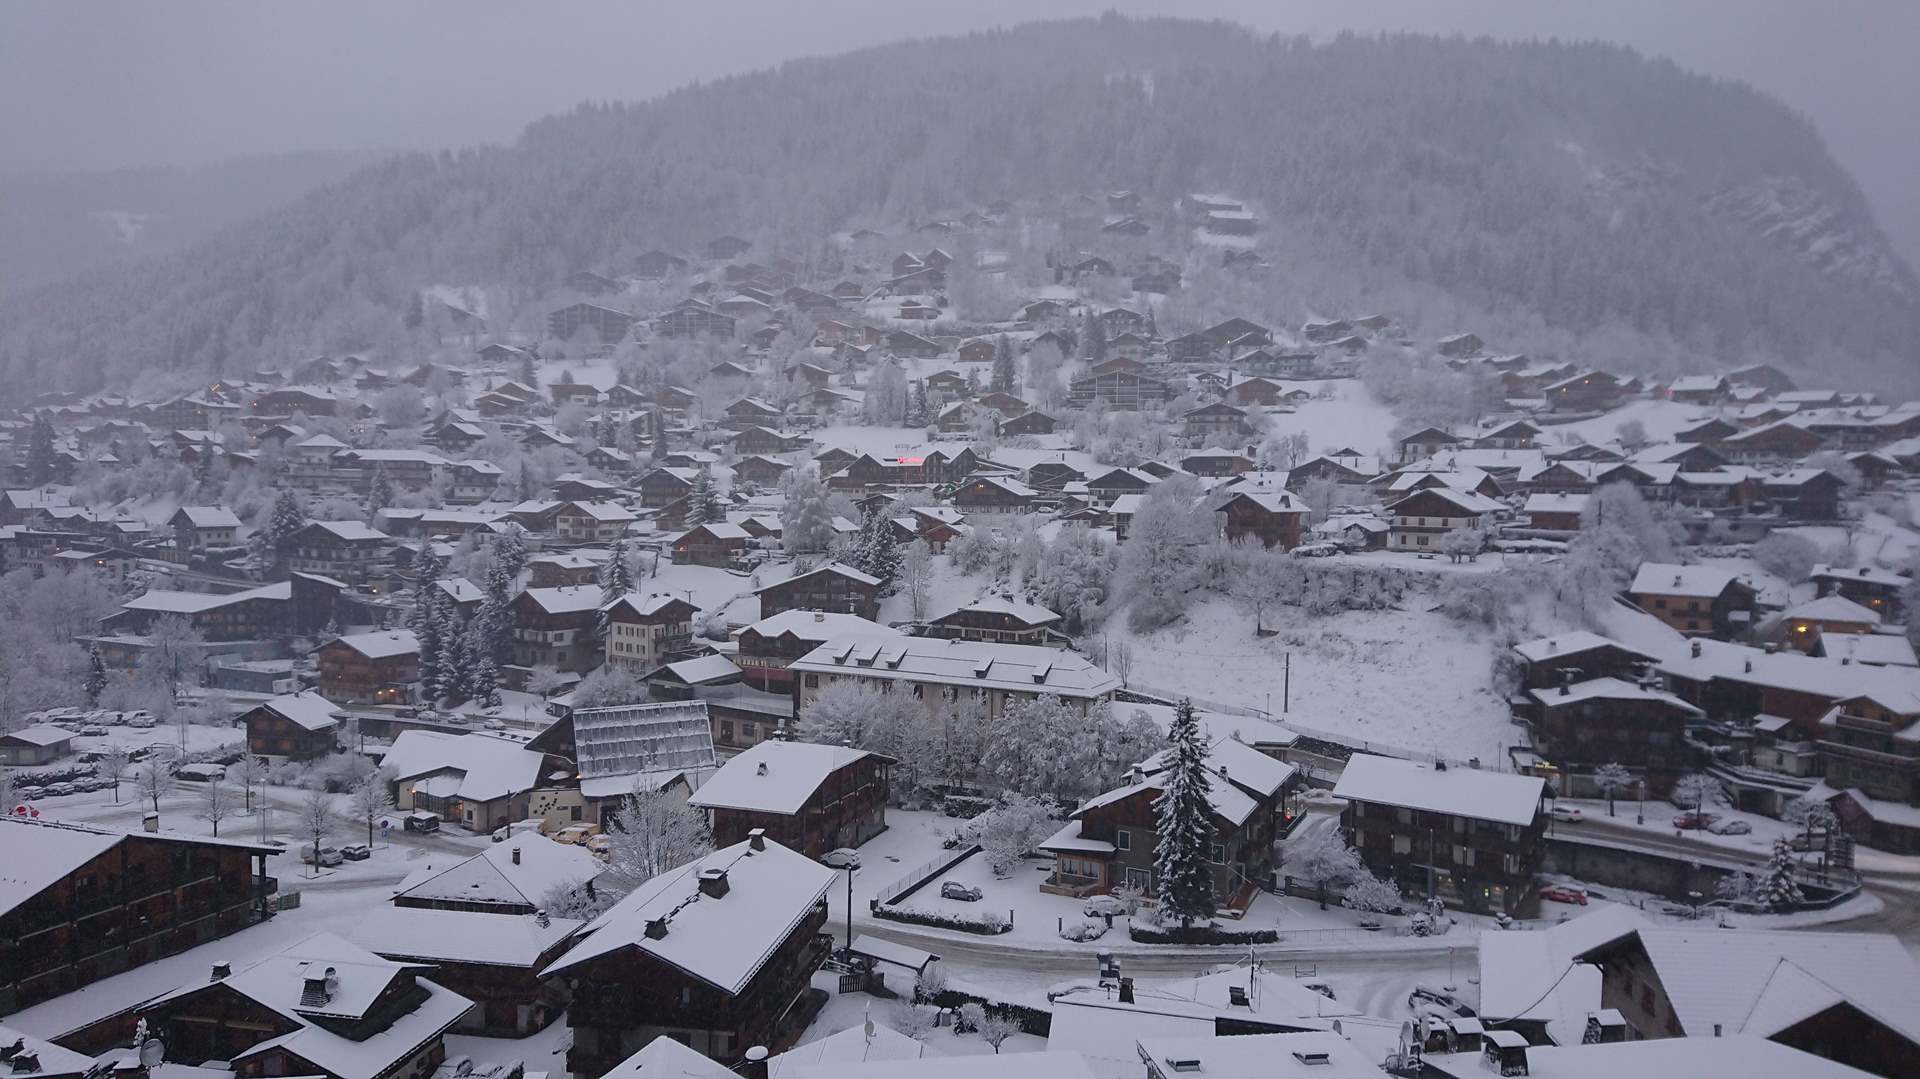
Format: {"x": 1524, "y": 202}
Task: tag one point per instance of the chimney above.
{"x": 1748, "y": 665}
{"x": 8, "y": 1052}
{"x": 1566, "y": 690}
{"x": 1126, "y": 990}
{"x": 713, "y": 883}
{"x": 819, "y": 616}
{"x": 656, "y": 928}
{"x": 1439, "y": 765}
{"x": 541, "y": 918}
{"x": 221, "y": 969}
{"x": 754, "y": 1064}
{"x": 516, "y": 856}
{"x": 1694, "y": 649}
{"x": 757, "y": 839}
{"x": 760, "y": 769}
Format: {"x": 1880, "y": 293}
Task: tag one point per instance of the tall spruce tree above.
{"x": 616, "y": 580}
{"x": 1779, "y": 890}
{"x": 700, "y": 502}
{"x": 919, "y": 413}
{"x": 40, "y": 450}
{"x": 379, "y": 492}
{"x": 1093, "y": 341}
{"x": 1002, "y": 380}
{"x": 874, "y": 551}
{"x": 426, "y": 632}
{"x": 1183, "y": 874}
{"x": 449, "y": 635}
{"x": 96, "y": 675}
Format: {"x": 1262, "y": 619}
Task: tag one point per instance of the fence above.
{"x": 920, "y": 876}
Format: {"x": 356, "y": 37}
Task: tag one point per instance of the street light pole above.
{"x": 850, "y": 871}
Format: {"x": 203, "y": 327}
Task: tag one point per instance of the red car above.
{"x": 1564, "y": 893}
{"x": 1695, "y": 820}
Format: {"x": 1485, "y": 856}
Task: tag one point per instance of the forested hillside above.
{"x": 1580, "y": 190}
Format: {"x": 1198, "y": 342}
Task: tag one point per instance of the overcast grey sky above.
{"x": 95, "y": 84}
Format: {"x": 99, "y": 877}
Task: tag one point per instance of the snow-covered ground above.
{"x": 1408, "y": 679}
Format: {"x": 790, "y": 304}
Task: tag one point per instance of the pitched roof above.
{"x": 462, "y": 936}
{"x": 725, "y": 941}
{"x": 308, "y": 710}
{"x": 1458, "y": 791}
{"x": 480, "y": 767}
{"x": 951, "y": 661}
{"x": 1668, "y": 579}
{"x": 774, "y": 777}
{"x": 497, "y": 876}
{"x": 384, "y": 644}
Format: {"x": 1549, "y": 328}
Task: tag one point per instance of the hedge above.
{"x": 1200, "y": 934}
{"x": 990, "y": 925}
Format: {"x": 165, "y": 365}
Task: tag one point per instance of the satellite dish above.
{"x": 152, "y": 1052}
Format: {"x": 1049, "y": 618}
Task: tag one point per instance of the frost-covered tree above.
{"x": 111, "y": 766}
{"x": 806, "y": 518}
{"x": 1262, "y": 580}
{"x": 1611, "y": 778}
{"x": 700, "y": 500}
{"x": 40, "y": 450}
{"x": 288, "y": 516}
{"x": 216, "y": 804}
{"x": 1158, "y": 568}
{"x": 1695, "y": 790}
{"x": 1009, "y": 831}
{"x": 1787, "y": 556}
{"x": 609, "y": 685}
{"x": 655, "y": 831}
{"x": 997, "y": 1027}
{"x": 1183, "y": 820}
{"x": 916, "y": 577}
{"x": 316, "y": 820}
{"x": 1323, "y": 858}
{"x": 250, "y": 772}
{"x": 371, "y": 797}
{"x": 919, "y": 412}
{"x": 874, "y": 551}
{"x": 155, "y": 778}
{"x": 1779, "y": 889}
{"x": 1463, "y": 544}
{"x": 1372, "y": 895}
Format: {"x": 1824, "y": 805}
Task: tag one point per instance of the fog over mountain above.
{"x": 1572, "y": 198}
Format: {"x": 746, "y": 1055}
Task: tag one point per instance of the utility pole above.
{"x": 1286, "y": 681}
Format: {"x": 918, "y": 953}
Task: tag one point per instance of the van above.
{"x": 519, "y": 827}
{"x": 421, "y": 821}
{"x": 573, "y": 834}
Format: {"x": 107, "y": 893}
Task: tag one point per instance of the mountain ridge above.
{"x": 1389, "y": 165}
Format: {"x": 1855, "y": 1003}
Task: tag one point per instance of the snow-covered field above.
{"x": 1409, "y": 679}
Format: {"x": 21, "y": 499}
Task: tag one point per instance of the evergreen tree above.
{"x": 40, "y": 450}
{"x": 874, "y": 551}
{"x": 509, "y": 558}
{"x": 616, "y": 580}
{"x": 528, "y": 377}
{"x": 379, "y": 492}
{"x": 1002, "y": 380}
{"x": 481, "y": 675}
{"x": 1093, "y": 342}
{"x": 1183, "y": 875}
{"x": 806, "y": 521}
{"x": 425, "y": 623}
{"x": 919, "y": 414}
{"x": 522, "y": 482}
{"x": 449, "y": 637}
{"x": 657, "y": 431}
{"x": 700, "y": 503}
{"x": 287, "y": 517}
{"x": 96, "y": 675}
{"x": 1779, "y": 890}
{"x": 203, "y": 469}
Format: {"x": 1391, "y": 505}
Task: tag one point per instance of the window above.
{"x": 1218, "y": 853}
{"x": 1123, "y": 839}
{"x": 1402, "y": 845}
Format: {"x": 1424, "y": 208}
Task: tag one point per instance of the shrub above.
{"x": 1084, "y": 931}
{"x": 986, "y": 924}
{"x": 1199, "y": 934}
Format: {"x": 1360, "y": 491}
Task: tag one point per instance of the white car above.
{"x": 844, "y": 858}
{"x": 1568, "y": 814}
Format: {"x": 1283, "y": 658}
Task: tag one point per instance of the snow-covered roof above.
{"x": 1518, "y": 969}
{"x": 1788, "y": 669}
{"x": 307, "y": 710}
{"x": 1235, "y": 761}
{"x": 497, "y": 876}
{"x": 1758, "y": 982}
{"x": 1862, "y": 574}
{"x": 837, "y": 568}
{"x": 724, "y": 941}
{"x": 35, "y": 858}
{"x": 1657, "y": 1058}
{"x": 850, "y": 1046}
{"x": 1045, "y": 1065}
{"x": 664, "y": 1058}
{"x": 40, "y": 734}
{"x": 1556, "y": 503}
{"x": 1227, "y": 801}
{"x": 1609, "y": 689}
{"x": 210, "y": 516}
{"x": 774, "y": 777}
{"x": 1565, "y": 644}
{"x": 52, "y": 1059}
{"x": 720, "y": 530}
{"x": 570, "y": 599}
{"x": 1832, "y": 609}
{"x": 1264, "y": 1056}
{"x": 816, "y": 625}
{"x": 1878, "y": 649}
{"x": 357, "y": 978}
{"x": 487, "y": 767}
{"x": 383, "y": 644}
{"x": 658, "y": 739}
{"x": 1669, "y": 579}
{"x": 951, "y": 661}
{"x": 1473, "y": 505}
{"x": 1031, "y": 614}
{"x": 1458, "y": 791}
{"x": 348, "y": 530}
{"x": 461, "y": 936}
{"x": 703, "y": 670}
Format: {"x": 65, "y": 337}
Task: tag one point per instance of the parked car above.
{"x": 201, "y": 773}
{"x": 1802, "y": 841}
{"x": 93, "y": 730}
{"x": 574, "y": 834}
{"x": 92, "y": 756}
{"x": 327, "y": 856}
{"x": 1565, "y": 893}
{"x": 953, "y": 889}
{"x": 844, "y": 858}
{"x": 29, "y": 794}
{"x": 1438, "y": 998}
{"x": 356, "y": 852}
{"x": 1695, "y": 820}
{"x": 60, "y": 790}
{"x": 1568, "y": 814}
{"x": 421, "y": 821}
{"x": 141, "y": 719}
{"x": 601, "y": 845}
{"x": 519, "y": 827}
{"x": 1103, "y": 906}
{"x": 1730, "y": 827}
{"x": 1316, "y": 550}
